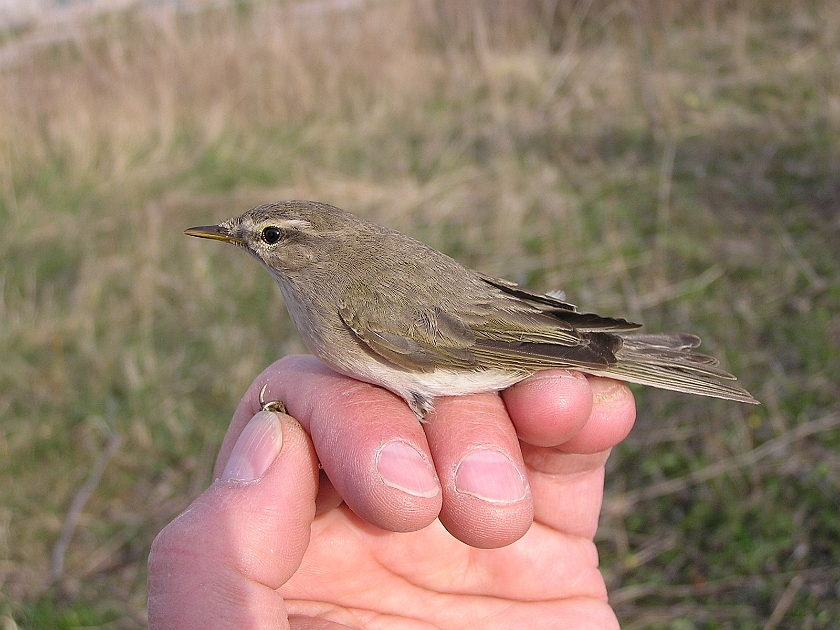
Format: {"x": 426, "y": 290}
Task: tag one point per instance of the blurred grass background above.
{"x": 674, "y": 162}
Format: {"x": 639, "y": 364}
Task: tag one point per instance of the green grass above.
{"x": 679, "y": 166}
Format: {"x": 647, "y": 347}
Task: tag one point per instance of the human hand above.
{"x": 250, "y": 552}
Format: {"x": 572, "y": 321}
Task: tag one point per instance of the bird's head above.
{"x": 285, "y": 236}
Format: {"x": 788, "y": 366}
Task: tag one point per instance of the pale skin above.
{"x": 483, "y": 517}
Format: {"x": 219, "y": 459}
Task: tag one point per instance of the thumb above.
{"x": 218, "y": 564}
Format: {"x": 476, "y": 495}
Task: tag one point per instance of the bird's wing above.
{"x": 533, "y": 341}
{"x": 496, "y": 324}
{"x": 516, "y": 290}
{"x": 560, "y": 310}
{"x": 409, "y": 335}
{"x": 535, "y": 331}
{"x": 531, "y": 331}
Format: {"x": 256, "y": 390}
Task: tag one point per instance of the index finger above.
{"x": 368, "y": 441}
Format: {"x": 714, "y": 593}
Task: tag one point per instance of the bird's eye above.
{"x": 271, "y": 235}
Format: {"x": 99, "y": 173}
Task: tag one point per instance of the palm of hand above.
{"x": 361, "y": 577}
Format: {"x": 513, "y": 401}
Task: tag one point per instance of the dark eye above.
{"x": 271, "y": 235}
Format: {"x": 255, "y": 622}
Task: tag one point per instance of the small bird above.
{"x": 384, "y": 308}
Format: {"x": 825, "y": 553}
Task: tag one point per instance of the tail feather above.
{"x": 637, "y": 349}
{"x": 668, "y": 362}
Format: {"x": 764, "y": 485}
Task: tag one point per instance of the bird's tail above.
{"x": 668, "y": 361}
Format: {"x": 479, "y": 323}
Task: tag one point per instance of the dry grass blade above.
{"x": 784, "y": 603}
{"x": 71, "y": 519}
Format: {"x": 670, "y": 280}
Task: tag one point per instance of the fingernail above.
{"x": 401, "y": 466}
{"x": 554, "y": 374}
{"x": 490, "y": 476}
{"x": 256, "y": 449}
{"x": 607, "y": 389}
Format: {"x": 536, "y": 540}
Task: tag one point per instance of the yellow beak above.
{"x": 215, "y": 232}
